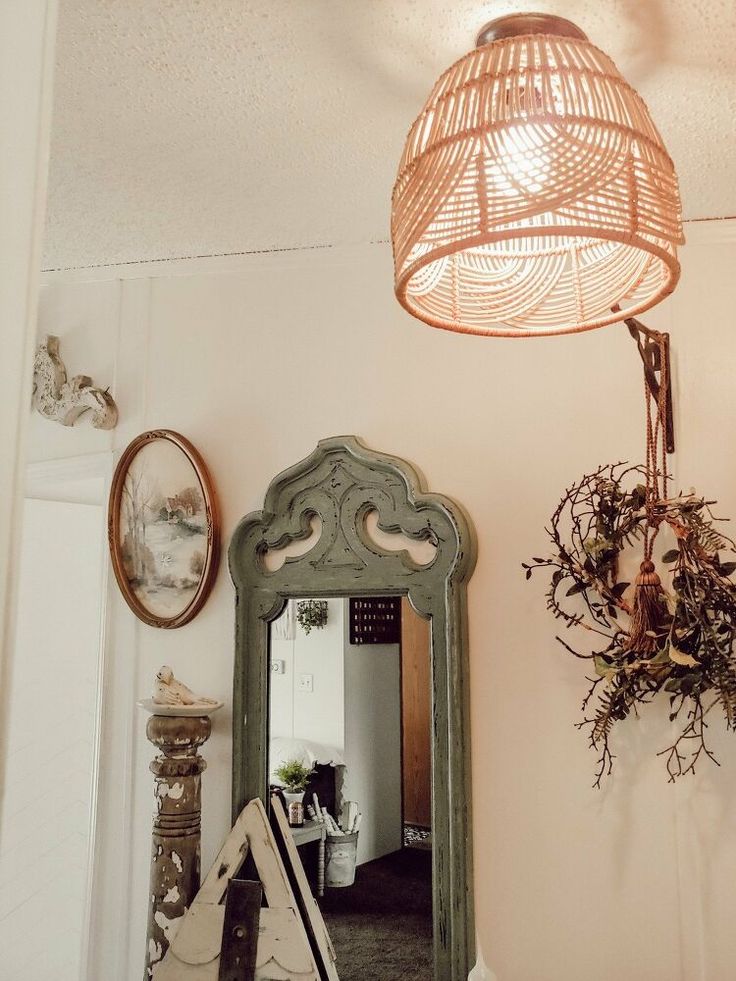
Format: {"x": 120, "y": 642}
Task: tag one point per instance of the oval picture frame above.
{"x": 163, "y": 529}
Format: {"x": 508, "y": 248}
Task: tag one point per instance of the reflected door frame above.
{"x": 416, "y": 719}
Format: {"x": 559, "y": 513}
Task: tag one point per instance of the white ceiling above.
{"x": 203, "y": 127}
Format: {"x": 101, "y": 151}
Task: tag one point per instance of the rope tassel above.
{"x": 650, "y": 618}
{"x": 649, "y": 615}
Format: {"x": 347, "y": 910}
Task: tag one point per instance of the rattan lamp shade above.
{"x": 534, "y": 193}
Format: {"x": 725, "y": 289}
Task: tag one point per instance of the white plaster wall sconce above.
{"x": 61, "y": 401}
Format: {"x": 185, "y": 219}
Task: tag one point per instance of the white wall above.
{"x": 281, "y": 690}
{"x": 318, "y": 715}
{"x": 255, "y": 360}
{"x": 354, "y": 707}
{"x": 373, "y": 744}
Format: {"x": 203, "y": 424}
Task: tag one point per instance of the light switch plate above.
{"x": 306, "y": 682}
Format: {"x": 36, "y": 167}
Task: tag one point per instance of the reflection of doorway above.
{"x": 373, "y": 773}
{"x": 47, "y": 810}
{"x": 381, "y": 926}
{"x": 416, "y": 725}
{"x": 388, "y": 730}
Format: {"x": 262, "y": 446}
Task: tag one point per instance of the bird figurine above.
{"x": 168, "y": 691}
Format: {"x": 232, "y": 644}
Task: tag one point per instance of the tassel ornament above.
{"x": 649, "y": 614}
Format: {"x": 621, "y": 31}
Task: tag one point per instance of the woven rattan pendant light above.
{"x": 534, "y": 193}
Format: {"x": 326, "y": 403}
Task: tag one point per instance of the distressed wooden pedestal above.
{"x": 175, "y": 856}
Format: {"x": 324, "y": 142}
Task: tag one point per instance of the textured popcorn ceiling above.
{"x": 203, "y": 127}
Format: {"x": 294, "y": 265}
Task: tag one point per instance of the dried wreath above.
{"x": 679, "y": 640}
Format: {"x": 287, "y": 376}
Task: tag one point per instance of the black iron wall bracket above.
{"x": 653, "y": 347}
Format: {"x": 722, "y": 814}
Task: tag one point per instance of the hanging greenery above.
{"x": 645, "y": 637}
{"x": 311, "y": 613}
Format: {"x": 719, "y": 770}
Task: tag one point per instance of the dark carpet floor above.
{"x": 381, "y": 927}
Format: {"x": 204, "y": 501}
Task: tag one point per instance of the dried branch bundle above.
{"x": 690, "y": 654}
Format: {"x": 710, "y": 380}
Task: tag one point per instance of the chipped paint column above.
{"x": 175, "y": 856}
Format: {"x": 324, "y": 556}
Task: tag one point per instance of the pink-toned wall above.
{"x": 256, "y": 359}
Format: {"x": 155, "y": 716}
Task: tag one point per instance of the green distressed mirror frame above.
{"x": 341, "y": 482}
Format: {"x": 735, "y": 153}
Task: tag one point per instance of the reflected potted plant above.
{"x": 295, "y": 777}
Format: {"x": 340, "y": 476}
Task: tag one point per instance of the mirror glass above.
{"x": 350, "y": 704}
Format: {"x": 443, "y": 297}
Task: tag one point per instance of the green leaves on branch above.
{"x": 311, "y": 613}
{"x": 600, "y": 521}
{"x": 294, "y": 775}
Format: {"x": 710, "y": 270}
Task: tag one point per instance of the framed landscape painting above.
{"x": 163, "y": 528}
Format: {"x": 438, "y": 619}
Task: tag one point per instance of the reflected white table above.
{"x": 313, "y": 831}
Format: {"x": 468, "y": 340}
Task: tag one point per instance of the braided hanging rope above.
{"x": 680, "y": 642}
{"x": 533, "y": 194}
{"x": 657, "y": 475}
{"x": 649, "y": 616}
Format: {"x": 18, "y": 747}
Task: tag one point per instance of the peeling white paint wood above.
{"x": 175, "y": 852}
{"x": 284, "y": 952}
{"x": 200, "y": 940}
{"x": 309, "y": 903}
{"x": 61, "y": 401}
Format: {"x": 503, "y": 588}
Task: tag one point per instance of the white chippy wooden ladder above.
{"x": 284, "y": 950}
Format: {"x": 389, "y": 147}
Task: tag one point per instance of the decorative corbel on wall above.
{"x": 61, "y": 401}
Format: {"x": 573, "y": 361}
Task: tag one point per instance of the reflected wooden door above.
{"x": 416, "y": 706}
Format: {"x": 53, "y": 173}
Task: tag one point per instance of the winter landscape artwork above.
{"x": 163, "y": 528}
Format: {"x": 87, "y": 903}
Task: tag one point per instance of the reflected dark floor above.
{"x": 381, "y": 927}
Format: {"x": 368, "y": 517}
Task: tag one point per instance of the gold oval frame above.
{"x": 213, "y": 528}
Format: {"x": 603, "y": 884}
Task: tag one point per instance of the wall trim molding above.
{"x": 713, "y": 231}
{"x": 69, "y": 468}
{"x": 701, "y": 232}
{"x": 318, "y": 256}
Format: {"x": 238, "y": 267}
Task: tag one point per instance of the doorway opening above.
{"x": 48, "y": 806}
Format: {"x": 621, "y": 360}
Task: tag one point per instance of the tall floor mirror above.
{"x": 351, "y": 672}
